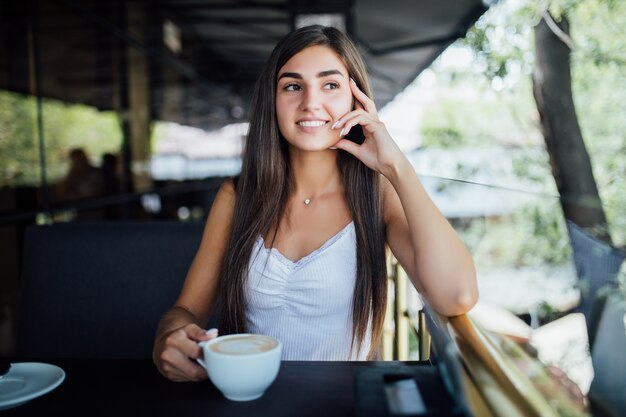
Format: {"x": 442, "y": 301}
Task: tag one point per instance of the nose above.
{"x": 311, "y": 100}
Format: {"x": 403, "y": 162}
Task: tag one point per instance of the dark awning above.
{"x": 224, "y": 44}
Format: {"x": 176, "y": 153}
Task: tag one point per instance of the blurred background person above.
{"x": 111, "y": 185}
{"x": 82, "y": 180}
{"x": 108, "y": 171}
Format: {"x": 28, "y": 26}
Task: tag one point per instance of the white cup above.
{"x": 242, "y": 366}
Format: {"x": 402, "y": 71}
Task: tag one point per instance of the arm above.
{"x": 420, "y": 237}
{"x": 426, "y": 245}
{"x": 180, "y": 328}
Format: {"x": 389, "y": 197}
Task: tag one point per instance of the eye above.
{"x": 291, "y": 87}
{"x": 331, "y": 85}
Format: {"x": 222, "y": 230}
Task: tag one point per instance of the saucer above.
{"x": 26, "y": 381}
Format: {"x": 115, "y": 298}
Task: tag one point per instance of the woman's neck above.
{"x": 315, "y": 173}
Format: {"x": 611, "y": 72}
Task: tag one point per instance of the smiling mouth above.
{"x": 312, "y": 123}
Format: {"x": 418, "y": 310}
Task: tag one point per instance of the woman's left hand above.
{"x": 378, "y": 151}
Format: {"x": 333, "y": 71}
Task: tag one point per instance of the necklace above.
{"x": 307, "y": 201}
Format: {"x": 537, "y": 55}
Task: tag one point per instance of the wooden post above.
{"x": 389, "y": 325}
{"x": 401, "y": 316}
{"x": 138, "y": 73}
{"x": 423, "y": 337}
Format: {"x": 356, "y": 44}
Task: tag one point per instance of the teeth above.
{"x": 312, "y": 123}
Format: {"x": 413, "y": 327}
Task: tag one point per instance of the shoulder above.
{"x": 227, "y": 191}
{"x": 229, "y": 186}
{"x": 224, "y": 203}
{"x": 219, "y": 220}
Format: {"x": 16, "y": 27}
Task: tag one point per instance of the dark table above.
{"x": 117, "y": 387}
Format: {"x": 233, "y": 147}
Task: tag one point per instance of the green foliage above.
{"x": 599, "y": 80}
{"x": 66, "y": 126}
{"x": 501, "y": 38}
{"x": 532, "y": 164}
{"x": 481, "y": 117}
{"x": 442, "y": 136}
{"x": 19, "y": 159}
{"x": 533, "y": 235}
{"x": 502, "y": 42}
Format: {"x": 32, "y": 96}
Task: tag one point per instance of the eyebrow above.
{"x": 321, "y": 74}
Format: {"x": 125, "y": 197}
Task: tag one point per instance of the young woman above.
{"x": 296, "y": 247}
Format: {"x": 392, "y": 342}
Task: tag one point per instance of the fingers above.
{"x": 180, "y": 351}
{"x": 348, "y": 146}
{"x": 200, "y": 335}
{"x": 363, "y": 100}
{"x": 357, "y": 117}
{"x": 211, "y": 334}
{"x": 178, "y": 367}
{"x": 364, "y": 112}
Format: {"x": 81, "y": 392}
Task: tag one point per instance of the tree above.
{"x": 570, "y": 162}
{"x": 501, "y": 41}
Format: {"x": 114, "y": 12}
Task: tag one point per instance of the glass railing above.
{"x": 529, "y": 330}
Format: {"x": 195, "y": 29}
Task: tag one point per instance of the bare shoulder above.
{"x": 221, "y": 214}
{"x": 225, "y": 197}
{"x": 227, "y": 189}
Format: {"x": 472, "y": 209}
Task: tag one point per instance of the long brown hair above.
{"x": 265, "y": 183}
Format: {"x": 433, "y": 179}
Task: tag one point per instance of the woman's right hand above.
{"x": 175, "y": 353}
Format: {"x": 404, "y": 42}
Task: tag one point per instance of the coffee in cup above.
{"x": 242, "y": 366}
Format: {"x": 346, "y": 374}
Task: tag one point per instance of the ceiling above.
{"x": 74, "y": 54}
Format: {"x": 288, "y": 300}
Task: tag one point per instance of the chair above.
{"x": 597, "y": 265}
{"x": 606, "y": 393}
{"x": 99, "y": 289}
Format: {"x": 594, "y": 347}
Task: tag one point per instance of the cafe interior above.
{"x": 90, "y": 263}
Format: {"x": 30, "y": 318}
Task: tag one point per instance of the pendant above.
{"x": 307, "y": 201}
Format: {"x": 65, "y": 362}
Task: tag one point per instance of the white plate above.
{"x": 26, "y": 381}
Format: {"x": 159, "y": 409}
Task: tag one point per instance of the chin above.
{"x": 312, "y": 145}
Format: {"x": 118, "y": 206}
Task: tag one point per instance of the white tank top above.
{"x": 307, "y": 304}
